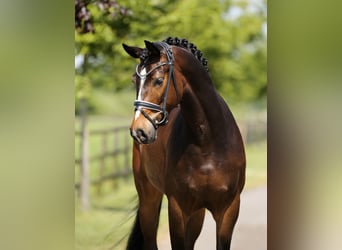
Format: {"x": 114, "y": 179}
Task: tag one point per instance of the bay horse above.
{"x": 187, "y": 146}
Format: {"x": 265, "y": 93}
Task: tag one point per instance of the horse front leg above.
{"x": 149, "y": 210}
{"x": 184, "y": 229}
{"x": 176, "y": 225}
{"x": 144, "y": 232}
{"x": 225, "y": 222}
{"x": 193, "y": 228}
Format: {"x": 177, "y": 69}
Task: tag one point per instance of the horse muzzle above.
{"x": 144, "y": 136}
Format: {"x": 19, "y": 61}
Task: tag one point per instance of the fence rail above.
{"x": 120, "y": 147}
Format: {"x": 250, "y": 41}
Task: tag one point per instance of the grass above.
{"x": 109, "y": 219}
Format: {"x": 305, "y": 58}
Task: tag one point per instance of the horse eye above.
{"x": 158, "y": 81}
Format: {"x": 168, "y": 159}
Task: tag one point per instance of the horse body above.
{"x": 197, "y": 160}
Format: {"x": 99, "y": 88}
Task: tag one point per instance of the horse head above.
{"x": 157, "y": 91}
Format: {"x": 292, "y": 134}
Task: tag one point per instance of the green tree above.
{"x": 234, "y": 46}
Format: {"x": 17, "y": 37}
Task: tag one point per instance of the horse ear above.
{"x": 153, "y": 49}
{"x": 134, "y": 52}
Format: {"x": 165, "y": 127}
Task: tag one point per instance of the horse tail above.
{"x": 136, "y": 238}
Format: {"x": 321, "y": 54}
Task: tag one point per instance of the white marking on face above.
{"x": 142, "y": 81}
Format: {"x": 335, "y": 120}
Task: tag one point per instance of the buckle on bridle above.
{"x": 164, "y": 119}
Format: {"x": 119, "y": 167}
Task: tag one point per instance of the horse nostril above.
{"x": 141, "y": 135}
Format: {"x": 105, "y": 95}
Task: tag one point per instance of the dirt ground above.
{"x": 251, "y": 228}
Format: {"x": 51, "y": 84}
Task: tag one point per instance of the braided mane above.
{"x": 184, "y": 43}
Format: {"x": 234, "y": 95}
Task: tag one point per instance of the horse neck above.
{"x": 203, "y": 109}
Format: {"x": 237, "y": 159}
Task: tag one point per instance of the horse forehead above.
{"x": 142, "y": 75}
{"x": 141, "y": 83}
{"x": 144, "y": 69}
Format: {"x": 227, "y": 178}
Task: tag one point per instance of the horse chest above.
{"x": 153, "y": 167}
{"x": 200, "y": 172}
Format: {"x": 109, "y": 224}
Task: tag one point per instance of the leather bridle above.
{"x": 140, "y": 105}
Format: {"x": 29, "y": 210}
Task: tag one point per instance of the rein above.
{"x": 140, "y": 105}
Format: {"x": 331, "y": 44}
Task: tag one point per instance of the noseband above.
{"x": 140, "y": 105}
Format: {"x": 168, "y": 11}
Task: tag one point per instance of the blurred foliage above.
{"x": 230, "y": 33}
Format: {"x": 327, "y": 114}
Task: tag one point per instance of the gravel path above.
{"x": 250, "y": 230}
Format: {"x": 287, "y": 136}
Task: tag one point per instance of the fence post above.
{"x": 115, "y": 158}
{"x": 102, "y": 161}
{"x": 84, "y": 182}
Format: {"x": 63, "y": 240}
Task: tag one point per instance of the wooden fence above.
{"x": 115, "y": 143}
